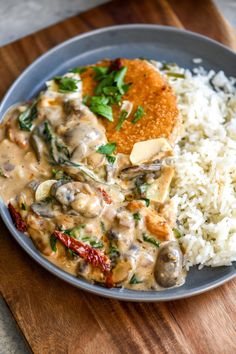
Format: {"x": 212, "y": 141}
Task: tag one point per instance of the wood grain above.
{"x": 57, "y": 318}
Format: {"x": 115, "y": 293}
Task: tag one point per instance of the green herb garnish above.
{"x": 107, "y": 149}
{"x": 151, "y": 240}
{"x": 108, "y": 91}
{"x": 78, "y": 70}
{"x": 96, "y": 244}
{"x": 23, "y": 206}
{"x": 71, "y": 253}
{"x": 25, "y": 118}
{"x": 111, "y": 159}
{"x": 134, "y": 280}
{"x": 72, "y": 232}
{"x": 165, "y": 66}
{"x": 176, "y": 75}
{"x": 138, "y": 115}
{"x": 66, "y": 84}
{"x": 121, "y": 120}
{"x": 137, "y": 216}
{"x": 147, "y": 201}
{"x": 113, "y": 251}
{"x": 100, "y": 71}
{"x": 177, "y": 233}
{"x": 99, "y": 105}
{"x": 119, "y": 79}
{"x": 103, "y": 227}
{"x": 53, "y": 241}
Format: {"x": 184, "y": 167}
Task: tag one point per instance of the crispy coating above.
{"x": 150, "y": 90}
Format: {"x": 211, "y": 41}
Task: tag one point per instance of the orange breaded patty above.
{"x": 148, "y": 89}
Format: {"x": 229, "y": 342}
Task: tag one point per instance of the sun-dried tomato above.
{"x": 19, "y": 223}
{"x": 116, "y": 65}
{"x": 105, "y": 195}
{"x": 90, "y": 254}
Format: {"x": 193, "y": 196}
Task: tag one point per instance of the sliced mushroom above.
{"x": 81, "y": 197}
{"x": 168, "y": 270}
{"x": 43, "y": 190}
{"x": 135, "y": 171}
{"x": 43, "y": 208}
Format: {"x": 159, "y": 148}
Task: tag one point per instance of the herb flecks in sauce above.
{"x": 134, "y": 280}
{"x": 151, "y": 240}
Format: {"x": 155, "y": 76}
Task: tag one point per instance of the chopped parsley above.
{"x": 119, "y": 79}
{"x": 66, "y": 84}
{"x": 53, "y": 241}
{"x": 114, "y": 254}
{"x": 134, "y": 280}
{"x": 93, "y": 243}
{"x": 96, "y": 244}
{"x": 103, "y": 227}
{"x": 78, "y": 70}
{"x": 99, "y": 105}
{"x": 138, "y": 114}
{"x": 111, "y": 159}
{"x": 107, "y": 149}
{"x": 147, "y": 201}
{"x": 151, "y": 240}
{"x": 100, "y": 71}
{"x": 121, "y": 120}
{"x": 108, "y": 91}
{"x": 72, "y": 232}
{"x": 137, "y": 216}
{"x": 25, "y": 118}
{"x": 177, "y": 233}
{"x": 23, "y": 206}
{"x": 165, "y": 66}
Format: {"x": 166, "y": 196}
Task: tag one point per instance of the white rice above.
{"x": 204, "y": 189}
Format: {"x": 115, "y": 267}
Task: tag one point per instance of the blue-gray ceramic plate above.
{"x": 131, "y": 41}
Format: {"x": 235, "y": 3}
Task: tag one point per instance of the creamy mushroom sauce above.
{"x": 121, "y": 210}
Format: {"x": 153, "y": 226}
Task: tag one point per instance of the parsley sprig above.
{"x": 66, "y": 84}
{"x": 138, "y": 115}
{"x": 109, "y": 90}
{"x": 107, "y": 150}
{"x": 121, "y": 120}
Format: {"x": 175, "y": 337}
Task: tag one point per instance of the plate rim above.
{"x": 123, "y": 294}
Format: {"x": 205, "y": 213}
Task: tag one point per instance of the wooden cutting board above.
{"x": 56, "y": 318}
